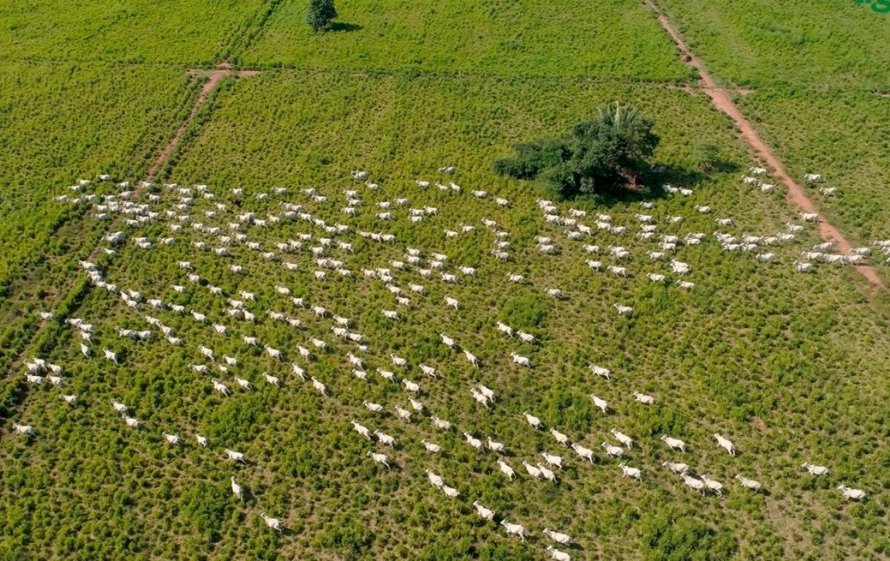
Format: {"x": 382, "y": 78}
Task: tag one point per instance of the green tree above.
{"x": 605, "y": 152}
{"x": 321, "y": 12}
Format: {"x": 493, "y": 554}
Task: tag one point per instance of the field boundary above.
{"x": 796, "y": 195}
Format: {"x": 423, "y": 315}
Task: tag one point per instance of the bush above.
{"x": 599, "y": 155}
{"x": 524, "y": 311}
{"x": 348, "y": 538}
{"x": 321, "y": 12}
{"x": 532, "y": 158}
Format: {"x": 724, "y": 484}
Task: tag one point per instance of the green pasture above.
{"x": 790, "y": 366}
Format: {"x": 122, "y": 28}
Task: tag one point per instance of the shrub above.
{"x": 524, "y": 311}
{"x": 321, "y": 12}
{"x": 598, "y": 155}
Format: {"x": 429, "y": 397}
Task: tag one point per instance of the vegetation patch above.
{"x": 606, "y": 153}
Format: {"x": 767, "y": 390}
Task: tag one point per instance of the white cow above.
{"x": 674, "y": 443}
{"x": 583, "y": 452}
{"x": 725, "y": 444}
{"x": 600, "y": 403}
{"x": 633, "y": 472}
{"x": 623, "y": 310}
{"x": 26, "y": 430}
{"x": 558, "y": 537}
{"x": 693, "y": 483}
{"x": 713, "y": 485}
{"x": 441, "y": 423}
{"x": 521, "y": 360}
{"x": 373, "y": 407}
{"x": 484, "y": 513}
{"x": 749, "y": 483}
{"x": 472, "y": 358}
{"x": 552, "y": 460}
{"x": 514, "y": 529}
{"x": 533, "y": 421}
{"x": 677, "y": 468}
{"x": 560, "y": 437}
{"x": 614, "y": 451}
{"x": 558, "y": 555}
{"x": 601, "y": 371}
{"x": 812, "y": 178}
{"x": 623, "y": 438}
{"x": 361, "y": 429}
{"x": 506, "y": 469}
{"x": 814, "y": 469}
{"x": 379, "y": 458}
{"x": 273, "y": 523}
{"x": 852, "y": 494}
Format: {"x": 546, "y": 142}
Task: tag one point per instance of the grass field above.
{"x": 819, "y": 74}
{"x": 559, "y": 38}
{"x": 788, "y": 365}
{"x": 67, "y": 122}
{"x": 824, "y": 46}
{"x": 140, "y": 31}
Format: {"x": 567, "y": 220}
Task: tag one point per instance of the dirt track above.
{"x": 213, "y": 78}
{"x": 795, "y": 192}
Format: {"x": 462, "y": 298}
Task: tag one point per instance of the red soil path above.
{"x": 795, "y": 192}
{"x": 214, "y": 76}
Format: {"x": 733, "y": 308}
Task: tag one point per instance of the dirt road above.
{"x": 795, "y": 192}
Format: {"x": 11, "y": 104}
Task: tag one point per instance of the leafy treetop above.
{"x": 321, "y": 12}
{"x": 598, "y": 155}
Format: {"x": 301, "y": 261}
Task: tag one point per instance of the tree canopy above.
{"x": 604, "y": 153}
{"x": 321, "y": 12}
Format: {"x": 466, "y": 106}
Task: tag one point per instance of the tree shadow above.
{"x": 725, "y": 166}
{"x": 673, "y": 175}
{"x": 339, "y": 26}
{"x": 650, "y": 184}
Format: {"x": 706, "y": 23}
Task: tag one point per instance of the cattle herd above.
{"x": 205, "y": 221}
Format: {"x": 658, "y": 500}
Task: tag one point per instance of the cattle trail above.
{"x": 721, "y": 100}
{"x": 222, "y": 70}
{"x": 214, "y": 76}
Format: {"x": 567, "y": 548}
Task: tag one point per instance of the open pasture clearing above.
{"x": 64, "y": 122}
{"x": 138, "y": 31}
{"x": 755, "y": 351}
{"x": 810, "y": 44}
{"x": 557, "y": 38}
